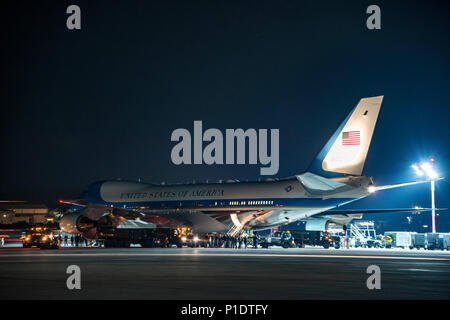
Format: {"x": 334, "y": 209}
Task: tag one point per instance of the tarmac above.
{"x": 199, "y": 273}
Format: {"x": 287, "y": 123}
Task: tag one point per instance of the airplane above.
{"x": 316, "y": 196}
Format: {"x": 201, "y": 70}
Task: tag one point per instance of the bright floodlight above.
{"x": 417, "y": 170}
{"x": 429, "y": 171}
{"x": 425, "y": 169}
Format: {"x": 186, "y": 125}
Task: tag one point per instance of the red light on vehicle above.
{"x": 60, "y": 201}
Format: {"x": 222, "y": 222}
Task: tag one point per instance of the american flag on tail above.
{"x": 351, "y": 138}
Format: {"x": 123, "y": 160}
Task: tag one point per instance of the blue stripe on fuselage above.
{"x": 225, "y": 203}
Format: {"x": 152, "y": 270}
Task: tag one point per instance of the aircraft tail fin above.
{"x": 346, "y": 151}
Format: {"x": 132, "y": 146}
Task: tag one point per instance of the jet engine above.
{"x": 321, "y": 224}
{"x": 77, "y": 222}
{"x": 318, "y": 224}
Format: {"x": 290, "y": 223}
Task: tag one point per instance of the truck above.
{"x": 336, "y": 241}
{"x": 374, "y": 243}
{"x": 432, "y": 241}
{"x": 401, "y": 239}
{"x": 446, "y": 241}
{"x": 113, "y": 237}
{"x": 280, "y": 238}
{"x": 185, "y": 236}
{"x": 386, "y": 241}
{"x": 419, "y": 240}
{"x": 315, "y": 238}
{"x": 42, "y": 237}
{"x": 438, "y": 241}
{"x": 326, "y": 240}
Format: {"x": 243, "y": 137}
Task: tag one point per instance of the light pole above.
{"x": 427, "y": 169}
{"x": 433, "y": 209}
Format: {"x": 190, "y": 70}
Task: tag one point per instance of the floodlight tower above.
{"x": 427, "y": 169}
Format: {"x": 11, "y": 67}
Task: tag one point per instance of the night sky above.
{"x": 101, "y": 102}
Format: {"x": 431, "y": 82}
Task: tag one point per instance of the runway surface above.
{"x": 308, "y": 273}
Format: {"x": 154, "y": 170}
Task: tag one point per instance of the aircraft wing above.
{"x": 398, "y": 185}
{"x": 367, "y": 211}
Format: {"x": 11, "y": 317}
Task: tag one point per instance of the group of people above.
{"x": 213, "y": 241}
{"x": 226, "y": 241}
{"x": 76, "y": 241}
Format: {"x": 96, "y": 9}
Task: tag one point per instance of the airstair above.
{"x": 362, "y": 232}
{"x": 235, "y": 231}
{"x": 355, "y": 232}
{"x": 237, "y": 227}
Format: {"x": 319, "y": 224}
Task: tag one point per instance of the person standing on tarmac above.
{"x": 255, "y": 241}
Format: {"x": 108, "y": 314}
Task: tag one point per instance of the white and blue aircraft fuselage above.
{"x": 333, "y": 180}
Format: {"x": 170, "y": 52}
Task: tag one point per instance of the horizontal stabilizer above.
{"x": 315, "y": 184}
